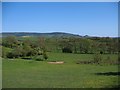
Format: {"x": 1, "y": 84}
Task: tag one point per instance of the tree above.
{"x": 66, "y": 50}
{"x": 4, "y": 52}
{"x": 66, "y": 45}
{"x": 10, "y": 41}
{"x": 42, "y": 49}
{"x": 75, "y": 43}
{"x": 84, "y": 46}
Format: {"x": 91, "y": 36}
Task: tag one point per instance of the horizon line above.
{"x": 62, "y": 32}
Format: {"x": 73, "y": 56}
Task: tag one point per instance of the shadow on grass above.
{"x": 27, "y": 58}
{"x": 109, "y": 73}
{"x": 116, "y": 87}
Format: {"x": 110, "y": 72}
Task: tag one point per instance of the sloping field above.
{"x": 19, "y": 73}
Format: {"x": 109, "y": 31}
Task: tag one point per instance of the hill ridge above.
{"x": 51, "y": 34}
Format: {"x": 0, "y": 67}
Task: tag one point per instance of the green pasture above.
{"x": 20, "y": 73}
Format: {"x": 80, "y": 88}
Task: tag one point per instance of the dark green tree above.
{"x": 10, "y": 41}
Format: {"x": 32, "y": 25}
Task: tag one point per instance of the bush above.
{"x": 84, "y": 62}
{"x": 66, "y": 50}
{"x": 45, "y": 56}
{"x": 97, "y": 58}
{"x": 38, "y": 58}
{"x": 107, "y": 60}
{"x": 4, "y": 53}
{"x": 11, "y": 55}
{"x": 16, "y": 53}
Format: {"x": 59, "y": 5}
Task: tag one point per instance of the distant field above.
{"x": 19, "y": 73}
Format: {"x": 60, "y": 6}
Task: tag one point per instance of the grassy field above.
{"x": 0, "y": 72}
{"x": 19, "y": 73}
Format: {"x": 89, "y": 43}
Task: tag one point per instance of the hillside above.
{"x": 53, "y": 34}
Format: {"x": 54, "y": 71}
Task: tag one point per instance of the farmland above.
{"x": 20, "y": 73}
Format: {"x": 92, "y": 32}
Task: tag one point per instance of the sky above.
{"x": 0, "y": 17}
{"x": 83, "y": 18}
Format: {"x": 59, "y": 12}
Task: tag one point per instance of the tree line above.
{"x": 22, "y": 47}
{"x": 89, "y": 45}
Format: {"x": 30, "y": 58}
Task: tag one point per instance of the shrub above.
{"x": 66, "y": 50}
{"x": 45, "y": 56}
{"x": 11, "y": 55}
{"x": 16, "y": 53}
{"x": 97, "y": 58}
{"x": 3, "y": 54}
{"x": 110, "y": 61}
{"x": 84, "y": 62}
{"x": 38, "y": 58}
{"x": 107, "y": 60}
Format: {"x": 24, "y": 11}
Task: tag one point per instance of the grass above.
{"x": 21, "y": 73}
{"x": 0, "y": 73}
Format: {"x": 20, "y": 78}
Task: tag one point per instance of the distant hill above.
{"x": 52, "y": 34}
{"x": 28, "y": 34}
